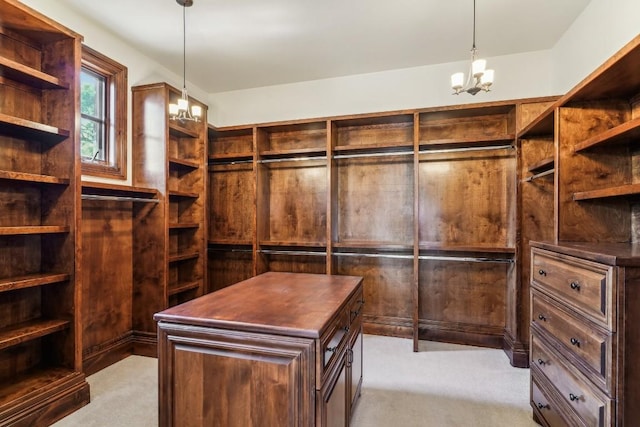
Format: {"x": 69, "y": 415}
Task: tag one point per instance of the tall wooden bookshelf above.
{"x": 40, "y": 297}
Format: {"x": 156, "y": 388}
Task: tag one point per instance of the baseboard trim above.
{"x": 107, "y": 354}
{"x": 145, "y": 344}
{"x": 516, "y": 351}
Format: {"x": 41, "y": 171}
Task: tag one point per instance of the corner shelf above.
{"x": 29, "y": 76}
{"x": 542, "y": 165}
{"x": 627, "y": 130}
{"x": 173, "y": 194}
{"x": 183, "y": 257}
{"x": 184, "y": 226}
{"x": 180, "y": 131}
{"x": 184, "y": 287}
{"x": 183, "y": 164}
{"x": 27, "y": 129}
{"x": 31, "y": 280}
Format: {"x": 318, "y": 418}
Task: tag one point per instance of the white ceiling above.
{"x": 238, "y": 44}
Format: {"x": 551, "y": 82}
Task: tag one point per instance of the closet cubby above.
{"x": 232, "y": 206}
{"x": 416, "y": 202}
{"x": 180, "y": 147}
{"x": 41, "y": 377}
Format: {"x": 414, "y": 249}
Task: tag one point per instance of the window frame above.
{"x": 114, "y": 164}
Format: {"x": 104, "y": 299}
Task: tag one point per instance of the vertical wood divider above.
{"x": 332, "y": 185}
{"x": 416, "y": 231}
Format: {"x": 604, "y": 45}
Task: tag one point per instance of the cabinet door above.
{"x": 355, "y": 348}
{"x": 336, "y": 401}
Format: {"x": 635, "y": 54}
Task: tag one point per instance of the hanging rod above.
{"x": 373, "y": 255}
{"x": 236, "y": 250}
{"x": 539, "y": 175}
{"x": 118, "y": 198}
{"x": 229, "y": 162}
{"x": 459, "y": 149}
{"x": 465, "y": 259}
{"x": 391, "y": 153}
{"x": 283, "y": 252}
{"x": 293, "y": 159}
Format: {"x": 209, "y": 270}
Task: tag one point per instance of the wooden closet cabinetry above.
{"x": 170, "y": 157}
{"x": 585, "y": 312}
{"x": 40, "y": 298}
{"x": 422, "y": 204}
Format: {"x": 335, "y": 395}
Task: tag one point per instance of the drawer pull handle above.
{"x": 573, "y": 397}
{"x": 331, "y": 349}
{"x": 575, "y": 286}
{"x": 346, "y": 328}
{"x": 543, "y": 406}
{"x": 575, "y": 341}
{"x": 541, "y": 362}
{"x": 542, "y": 272}
{"x": 541, "y": 317}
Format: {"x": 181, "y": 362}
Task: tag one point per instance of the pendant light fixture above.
{"x": 180, "y": 110}
{"x": 479, "y": 78}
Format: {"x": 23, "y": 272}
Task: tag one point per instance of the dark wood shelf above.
{"x": 542, "y": 165}
{"x": 103, "y": 189}
{"x": 183, "y": 287}
{"x": 487, "y": 141}
{"x": 305, "y": 152}
{"x": 34, "y": 229}
{"x": 27, "y": 129}
{"x": 35, "y": 379}
{"x": 31, "y": 177}
{"x": 292, "y": 244}
{"x": 479, "y": 248}
{"x": 391, "y": 148}
{"x": 227, "y": 157}
{"x": 541, "y": 125}
{"x": 627, "y": 130}
{"x": 184, "y": 226}
{"x": 29, "y": 76}
{"x": 371, "y": 245}
{"x": 184, "y": 257}
{"x": 182, "y": 195}
{"x": 27, "y": 331}
{"x": 176, "y": 129}
{"x": 31, "y": 280}
{"x": 619, "y": 191}
{"x": 182, "y": 163}
{"x": 230, "y": 242}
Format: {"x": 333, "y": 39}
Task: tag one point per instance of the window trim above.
{"x": 115, "y": 164}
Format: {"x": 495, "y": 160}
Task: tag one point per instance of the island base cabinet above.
{"x": 258, "y": 380}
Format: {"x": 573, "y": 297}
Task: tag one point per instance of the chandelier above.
{"x": 180, "y": 110}
{"x": 479, "y": 78}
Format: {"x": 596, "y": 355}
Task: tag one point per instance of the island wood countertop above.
{"x": 292, "y": 304}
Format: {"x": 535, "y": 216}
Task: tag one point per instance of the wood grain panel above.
{"x": 385, "y": 131}
{"x": 456, "y": 292}
{"x": 297, "y": 203}
{"x": 231, "y": 203}
{"x": 467, "y": 199}
{"x": 605, "y": 221}
{"x": 107, "y": 273}
{"x": 238, "y": 141}
{"x": 228, "y": 267}
{"x": 293, "y": 263}
{"x": 477, "y": 126}
{"x": 380, "y": 190}
{"x": 387, "y": 288}
{"x": 303, "y": 136}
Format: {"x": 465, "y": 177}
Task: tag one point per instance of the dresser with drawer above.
{"x": 585, "y": 334}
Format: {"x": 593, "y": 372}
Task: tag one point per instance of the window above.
{"x": 103, "y": 115}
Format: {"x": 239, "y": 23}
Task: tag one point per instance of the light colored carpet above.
{"x": 441, "y": 385}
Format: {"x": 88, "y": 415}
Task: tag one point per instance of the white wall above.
{"x": 601, "y": 30}
{"x": 416, "y": 87}
{"x": 141, "y": 69}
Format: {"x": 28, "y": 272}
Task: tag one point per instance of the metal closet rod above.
{"x": 459, "y": 149}
{"x": 373, "y": 255}
{"x": 387, "y": 154}
{"x": 230, "y": 250}
{"x": 285, "y": 252}
{"x": 118, "y": 198}
{"x": 293, "y": 159}
{"x": 465, "y": 259}
{"x": 230, "y": 162}
{"x": 539, "y": 175}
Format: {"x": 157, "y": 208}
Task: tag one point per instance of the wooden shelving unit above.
{"x": 390, "y": 197}
{"x": 182, "y": 182}
{"x": 119, "y": 284}
{"x": 40, "y": 379}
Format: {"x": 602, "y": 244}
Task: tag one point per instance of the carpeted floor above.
{"x": 441, "y": 385}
